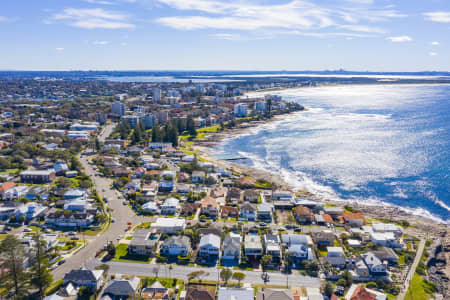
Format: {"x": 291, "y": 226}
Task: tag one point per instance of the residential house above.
{"x": 232, "y": 248}
{"x": 198, "y": 177}
{"x": 247, "y": 211}
{"x": 165, "y": 187}
{"x": 156, "y": 292}
{"x": 251, "y": 196}
{"x": 299, "y": 252}
{"x": 176, "y": 246}
{"x": 226, "y": 293}
{"x": 354, "y": 219}
{"x": 4, "y": 187}
{"x": 142, "y": 243}
{"x": 77, "y": 205}
{"x": 303, "y": 215}
{"x": 386, "y": 254}
{"x": 323, "y": 238}
{"x": 150, "y": 207}
{"x": 274, "y": 294}
{"x": 218, "y": 193}
{"x": 122, "y": 288}
{"x": 60, "y": 168}
{"x": 16, "y": 192}
{"x": 209, "y": 246}
{"x": 139, "y": 172}
{"x": 199, "y": 293}
{"x": 264, "y": 212}
{"x": 75, "y": 194}
{"x": 387, "y": 227}
{"x": 183, "y": 188}
{"x": 74, "y": 219}
{"x": 387, "y": 239}
{"x": 234, "y": 195}
{"x": 359, "y": 292}
{"x": 92, "y": 279}
{"x": 282, "y": 195}
{"x": 189, "y": 209}
{"x": 296, "y": 239}
{"x": 154, "y": 174}
{"x": 229, "y": 211}
{"x": 253, "y": 246}
{"x": 170, "y": 206}
{"x": 120, "y": 172}
{"x": 272, "y": 243}
{"x": 168, "y": 175}
{"x": 375, "y": 265}
{"x": 169, "y": 225}
{"x": 30, "y": 210}
{"x": 209, "y": 207}
{"x": 334, "y": 211}
{"x": 183, "y": 177}
{"x": 336, "y": 257}
{"x": 37, "y": 176}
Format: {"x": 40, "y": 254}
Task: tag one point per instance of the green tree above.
{"x": 40, "y": 274}
{"x": 75, "y": 165}
{"x": 16, "y": 279}
{"x": 312, "y": 268}
{"x": 156, "y": 134}
{"x": 225, "y": 275}
{"x": 84, "y": 293}
{"x": 328, "y": 289}
{"x": 265, "y": 260}
{"x": 190, "y": 127}
{"x": 239, "y": 276}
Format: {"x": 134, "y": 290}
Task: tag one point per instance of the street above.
{"x": 412, "y": 270}
{"x": 122, "y": 214}
{"x": 181, "y": 272}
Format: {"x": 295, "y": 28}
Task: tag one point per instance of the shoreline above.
{"x": 204, "y": 148}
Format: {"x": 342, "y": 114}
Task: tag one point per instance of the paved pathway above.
{"x": 412, "y": 270}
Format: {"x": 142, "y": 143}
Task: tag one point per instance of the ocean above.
{"x": 371, "y": 143}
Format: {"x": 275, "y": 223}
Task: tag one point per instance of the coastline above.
{"x": 387, "y": 211}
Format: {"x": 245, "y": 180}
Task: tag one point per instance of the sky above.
{"x": 363, "y": 35}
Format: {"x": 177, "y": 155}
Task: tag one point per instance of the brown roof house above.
{"x": 354, "y": 219}
{"x": 303, "y": 214}
{"x": 209, "y": 207}
{"x": 229, "y": 212}
{"x": 198, "y": 293}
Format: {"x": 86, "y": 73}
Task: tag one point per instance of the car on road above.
{"x": 119, "y": 237}
{"x": 241, "y": 223}
{"x": 298, "y": 229}
{"x": 262, "y": 224}
{"x": 103, "y": 190}
{"x": 72, "y": 233}
{"x": 288, "y": 226}
{"x": 26, "y": 229}
{"x": 74, "y": 238}
{"x": 61, "y": 262}
{"x": 124, "y": 203}
{"x": 53, "y": 267}
{"x": 113, "y": 220}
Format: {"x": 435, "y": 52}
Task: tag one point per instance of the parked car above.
{"x": 61, "y": 262}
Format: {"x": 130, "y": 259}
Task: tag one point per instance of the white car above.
{"x": 119, "y": 237}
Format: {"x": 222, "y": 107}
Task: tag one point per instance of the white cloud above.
{"x": 101, "y": 43}
{"x": 438, "y": 16}
{"x": 59, "y": 49}
{"x": 227, "y": 36}
{"x": 435, "y": 43}
{"x": 93, "y": 18}
{"x": 432, "y": 54}
{"x": 299, "y": 15}
{"x": 123, "y": 44}
{"x": 102, "y": 2}
{"x": 400, "y": 39}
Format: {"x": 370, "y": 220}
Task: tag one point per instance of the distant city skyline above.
{"x": 360, "y": 35}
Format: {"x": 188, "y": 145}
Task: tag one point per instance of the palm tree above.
{"x": 239, "y": 276}
{"x": 265, "y": 260}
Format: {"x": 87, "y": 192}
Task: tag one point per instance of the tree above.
{"x": 347, "y": 276}
{"x": 239, "y": 276}
{"x": 15, "y": 280}
{"x": 40, "y": 274}
{"x": 156, "y": 271}
{"x": 190, "y": 127}
{"x": 84, "y": 293}
{"x": 328, "y": 289}
{"x": 156, "y": 134}
{"x": 63, "y": 183}
{"x": 225, "y": 275}
{"x": 265, "y": 260}
{"x": 74, "y": 163}
{"x": 98, "y": 145}
{"x": 312, "y": 268}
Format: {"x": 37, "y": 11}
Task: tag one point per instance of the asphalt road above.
{"x": 181, "y": 272}
{"x": 122, "y": 214}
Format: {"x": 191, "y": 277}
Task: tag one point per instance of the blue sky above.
{"x": 375, "y": 35}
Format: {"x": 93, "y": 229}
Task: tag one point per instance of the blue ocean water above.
{"x": 388, "y": 143}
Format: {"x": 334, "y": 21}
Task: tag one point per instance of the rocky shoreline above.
{"x": 420, "y": 226}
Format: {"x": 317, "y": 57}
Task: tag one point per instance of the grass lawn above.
{"x": 2, "y": 236}
{"x": 419, "y": 289}
{"x": 123, "y": 255}
{"x": 9, "y": 171}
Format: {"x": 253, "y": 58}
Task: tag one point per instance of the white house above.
{"x": 176, "y": 245}
{"x": 16, "y": 192}
{"x": 209, "y": 245}
{"x": 170, "y": 206}
{"x": 77, "y": 205}
{"x": 253, "y": 245}
{"x": 169, "y": 225}
{"x": 375, "y": 265}
{"x": 150, "y": 207}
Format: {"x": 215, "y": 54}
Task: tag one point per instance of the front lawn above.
{"x": 123, "y": 255}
